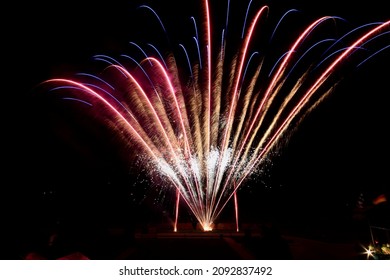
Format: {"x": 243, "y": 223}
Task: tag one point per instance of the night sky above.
{"x": 60, "y": 166}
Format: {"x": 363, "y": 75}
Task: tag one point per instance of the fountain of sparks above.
{"x": 205, "y": 134}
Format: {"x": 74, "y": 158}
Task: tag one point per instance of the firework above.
{"x": 208, "y": 132}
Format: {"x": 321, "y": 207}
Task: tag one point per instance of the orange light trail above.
{"x": 206, "y": 134}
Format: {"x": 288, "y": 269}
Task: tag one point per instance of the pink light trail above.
{"x": 207, "y": 134}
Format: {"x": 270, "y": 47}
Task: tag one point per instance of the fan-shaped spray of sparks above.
{"x": 206, "y": 134}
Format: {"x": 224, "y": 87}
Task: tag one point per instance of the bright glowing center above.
{"x": 207, "y": 227}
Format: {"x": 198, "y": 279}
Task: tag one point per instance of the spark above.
{"x": 208, "y": 133}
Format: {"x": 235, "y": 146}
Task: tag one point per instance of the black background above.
{"x": 58, "y": 169}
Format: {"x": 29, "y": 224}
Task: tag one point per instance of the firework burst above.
{"x": 207, "y": 132}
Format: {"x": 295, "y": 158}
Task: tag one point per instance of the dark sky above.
{"x": 340, "y": 150}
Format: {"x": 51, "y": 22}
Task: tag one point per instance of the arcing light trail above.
{"x": 207, "y": 133}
